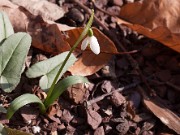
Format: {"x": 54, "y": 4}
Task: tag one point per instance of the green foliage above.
{"x": 13, "y": 52}
{"x": 6, "y": 28}
{"x": 23, "y": 100}
{"x": 49, "y": 68}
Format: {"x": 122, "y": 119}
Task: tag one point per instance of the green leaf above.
{"x": 49, "y": 68}
{"x": 22, "y": 101}
{"x": 6, "y": 28}
{"x": 61, "y": 86}
{"x": 13, "y": 52}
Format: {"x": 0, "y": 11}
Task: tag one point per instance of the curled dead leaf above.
{"x": 162, "y": 112}
{"x": 156, "y": 19}
{"x": 46, "y": 36}
{"x": 46, "y": 9}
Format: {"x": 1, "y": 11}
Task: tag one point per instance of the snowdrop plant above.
{"x": 92, "y": 42}
{"x": 57, "y": 88}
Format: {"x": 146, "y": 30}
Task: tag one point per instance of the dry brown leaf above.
{"x": 163, "y": 113}
{"x": 46, "y": 36}
{"x": 46, "y": 9}
{"x": 156, "y": 19}
{"x": 89, "y": 63}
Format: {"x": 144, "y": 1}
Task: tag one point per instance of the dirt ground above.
{"x": 128, "y": 96}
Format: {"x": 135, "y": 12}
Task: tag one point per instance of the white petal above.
{"x": 85, "y": 43}
{"x": 94, "y": 45}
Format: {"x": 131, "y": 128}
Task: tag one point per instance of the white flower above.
{"x": 92, "y": 42}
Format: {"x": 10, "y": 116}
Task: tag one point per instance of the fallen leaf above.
{"x": 162, "y": 112}
{"x": 46, "y": 35}
{"x": 156, "y": 19}
{"x": 89, "y": 63}
{"x": 46, "y": 9}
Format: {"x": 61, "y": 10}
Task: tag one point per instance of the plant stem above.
{"x": 83, "y": 34}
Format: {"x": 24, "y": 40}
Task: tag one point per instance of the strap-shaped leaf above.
{"x": 22, "y": 101}
{"x": 13, "y": 52}
{"x": 49, "y": 68}
{"x": 62, "y": 85}
{"x": 6, "y": 28}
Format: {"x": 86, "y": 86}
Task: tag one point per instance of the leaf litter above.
{"x": 110, "y": 115}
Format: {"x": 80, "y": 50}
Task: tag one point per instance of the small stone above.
{"x": 117, "y": 99}
{"x": 36, "y": 129}
{"x": 118, "y": 2}
{"x": 77, "y": 121}
{"x": 93, "y": 118}
{"x": 123, "y": 128}
{"x": 99, "y": 131}
{"x": 61, "y": 127}
{"x": 107, "y": 128}
{"x": 66, "y": 116}
{"x": 75, "y": 15}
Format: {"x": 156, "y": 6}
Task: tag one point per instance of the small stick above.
{"x": 97, "y": 99}
{"x": 173, "y": 86}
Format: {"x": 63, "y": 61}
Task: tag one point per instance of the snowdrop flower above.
{"x": 91, "y": 41}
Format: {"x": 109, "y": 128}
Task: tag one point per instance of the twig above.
{"x": 173, "y": 86}
{"x": 97, "y": 99}
{"x": 104, "y": 11}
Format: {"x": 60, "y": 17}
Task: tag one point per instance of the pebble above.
{"x": 75, "y": 15}
{"x": 36, "y": 129}
{"x": 118, "y": 2}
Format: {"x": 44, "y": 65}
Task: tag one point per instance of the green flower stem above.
{"x": 83, "y": 34}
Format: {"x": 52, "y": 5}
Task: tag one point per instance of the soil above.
{"x": 79, "y": 110}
